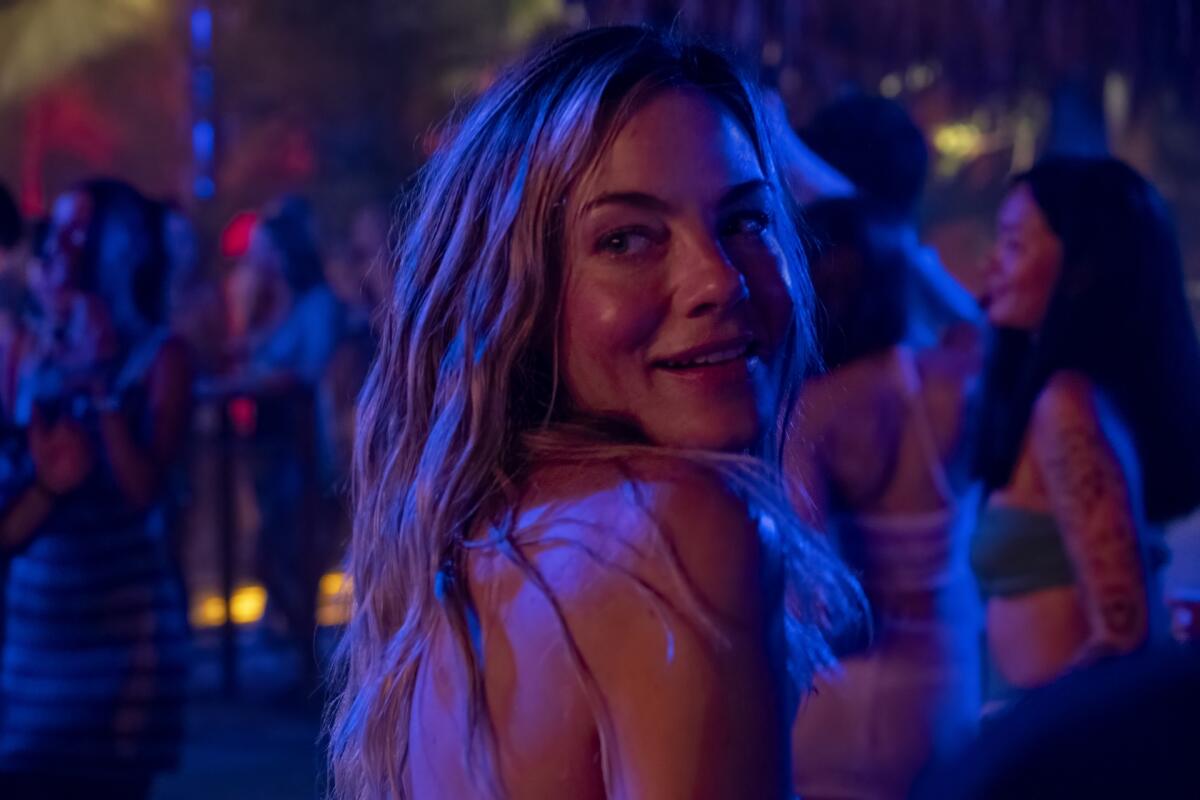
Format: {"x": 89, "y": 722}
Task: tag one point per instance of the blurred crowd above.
{"x": 114, "y": 338}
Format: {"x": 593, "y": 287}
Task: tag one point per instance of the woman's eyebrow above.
{"x": 649, "y": 202}
{"x": 636, "y": 199}
{"x": 741, "y": 190}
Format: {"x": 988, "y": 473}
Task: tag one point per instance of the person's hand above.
{"x": 63, "y": 455}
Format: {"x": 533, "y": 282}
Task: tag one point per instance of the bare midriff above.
{"x": 1033, "y": 638}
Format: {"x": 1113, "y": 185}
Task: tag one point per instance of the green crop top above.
{"x": 1015, "y": 551}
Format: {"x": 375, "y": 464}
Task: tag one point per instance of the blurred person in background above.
{"x": 806, "y": 175}
{"x": 194, "y": 303}
{"x": 357, "y": 273}
{"x": 17, "y": 337}
{"x": 287, "y": 324}
{"x": 17, "y": 307}
{"x": 874, "y": 143}
{"x": 293, "y": 321}
{"x": 358, "y": 276}
{"x": 1090, "y": 438}
{"x": 880, "y": 449}
{"x": 93, "y": 674}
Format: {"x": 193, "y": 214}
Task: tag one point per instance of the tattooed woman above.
{"x": 571, "y": 553}
{"x": 1090, "y": 437}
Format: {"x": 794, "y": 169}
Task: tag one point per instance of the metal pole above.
{"x": 227, "y": 537}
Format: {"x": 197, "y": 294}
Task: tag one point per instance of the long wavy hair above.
{"x": 1119, "y": 314}
{"x": 462, "y": 399}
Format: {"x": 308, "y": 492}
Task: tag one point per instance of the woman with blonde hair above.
{"x": 574, "y": 574}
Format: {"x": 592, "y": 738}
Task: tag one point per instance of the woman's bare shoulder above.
{"x": 600, "y": 528}
{"x": 648, "y": 576}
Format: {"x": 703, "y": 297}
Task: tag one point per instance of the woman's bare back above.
{"x": 861, "y": 440}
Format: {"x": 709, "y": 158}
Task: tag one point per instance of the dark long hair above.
{"x": 860, "y": 276}
{"x": 289, "y": 225}
{"x": 124, "y": 261}
{"x": 1119, "y": 315}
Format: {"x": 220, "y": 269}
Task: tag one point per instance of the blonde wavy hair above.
{"x": 462, "y": 398}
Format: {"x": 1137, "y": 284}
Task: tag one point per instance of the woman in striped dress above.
{"x": 95, "y": 644}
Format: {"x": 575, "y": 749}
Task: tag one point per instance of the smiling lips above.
{"x": 710, "y": 354}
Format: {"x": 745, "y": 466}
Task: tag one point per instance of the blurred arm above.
{"x": 1091, "y": 499}
{"x": 140, "y": 469}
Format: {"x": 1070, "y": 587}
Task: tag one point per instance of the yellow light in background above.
{"x": 332, "y": 616}
{"x": 527, "y": 18}
{"x": 959, "y": 141}
{"x": 42, "y": 39}
{"x": 333, "y": 583}
{"x": 333, "y": 599}
{"x": 208, "y": 612}
{"x": 891, "y": 85}
{"x": 248, "y": 604}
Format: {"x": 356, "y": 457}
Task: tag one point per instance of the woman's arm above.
{"x": 23, "y": 516}
{"x": 62, "y": 459}
{"x": 140, "y": 468}
{"x": 1092, "y": 502}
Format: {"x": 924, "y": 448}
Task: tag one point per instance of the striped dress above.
{"x": 96, "y": 641}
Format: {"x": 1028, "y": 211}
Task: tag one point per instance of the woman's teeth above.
{"x": 718, "y": 357}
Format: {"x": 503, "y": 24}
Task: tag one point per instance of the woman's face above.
{"x": 53, "y": 279}
{"x": 1024, "y": 266}
{"x": 675, "y": 306}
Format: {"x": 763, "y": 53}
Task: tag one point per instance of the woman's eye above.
{"x": 746, "y": 222}
{"x": 624, "y": 242}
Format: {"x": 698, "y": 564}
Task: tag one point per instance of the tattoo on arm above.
{"x": 1091, "y": 498}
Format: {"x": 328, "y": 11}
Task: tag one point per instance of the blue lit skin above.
{"x": 1024, "y": 265}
